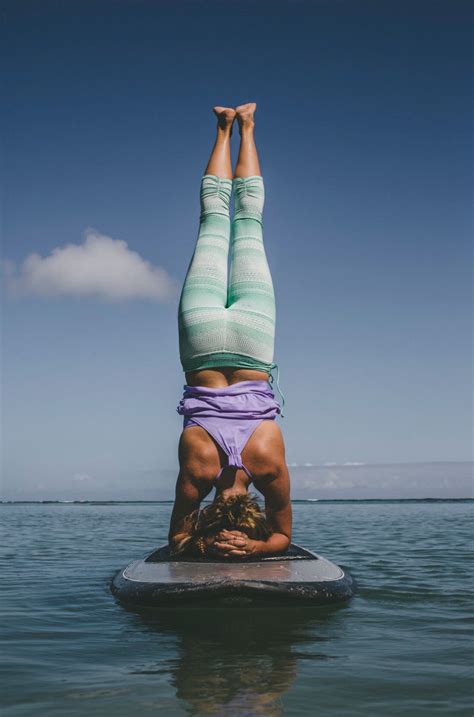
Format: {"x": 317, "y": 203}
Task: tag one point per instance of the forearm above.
{"x": 176, "y": 530}
{"x": 176, "y": 539}
{"x": 277, "y": 543}
{"x": 180, "y": 526}
{"x": 186, "y": 505}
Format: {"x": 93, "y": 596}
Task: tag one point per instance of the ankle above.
{"x": 247, "y": 126}
{"x": 224, "y": 131}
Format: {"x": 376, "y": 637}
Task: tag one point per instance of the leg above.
{"x": 247, "y": 161}
{"x": 219, "y": 162}
{"x": 204, "y": 293}
{"x": 251, "y": 298}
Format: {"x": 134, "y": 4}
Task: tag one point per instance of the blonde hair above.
{"x": 236, "y": 512}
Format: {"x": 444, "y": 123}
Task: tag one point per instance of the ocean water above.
{"x": 402, "y": 646}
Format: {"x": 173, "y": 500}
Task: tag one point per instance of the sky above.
{"x": 363, "y": 128}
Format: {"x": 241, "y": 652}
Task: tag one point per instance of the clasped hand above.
{"x": 233, "y": 544}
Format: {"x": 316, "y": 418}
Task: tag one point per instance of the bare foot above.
{"x": 225, "y": 117}
{"x": 245, "y": 114}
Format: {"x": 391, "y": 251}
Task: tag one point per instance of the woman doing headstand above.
{"x": 230, "y": 439}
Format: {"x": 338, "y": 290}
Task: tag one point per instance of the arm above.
{"x": 189, "y": 494}
{"x": 199, "y": 463}
{"x": 278, "y": 511}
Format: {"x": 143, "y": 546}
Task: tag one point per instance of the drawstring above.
{"x": 275, "y": 365}
{"x": 234, "y": 460}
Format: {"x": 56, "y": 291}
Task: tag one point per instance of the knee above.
{"x": 198, "y": 457}
{"x": 215, "y": 195}
{"x": 249, "y": 194}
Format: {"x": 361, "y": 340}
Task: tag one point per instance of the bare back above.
{"x": 223, "y": 376}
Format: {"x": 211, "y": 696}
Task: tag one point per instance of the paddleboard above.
{"x": 298, "y": 576}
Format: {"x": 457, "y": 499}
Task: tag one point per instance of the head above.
{"x": 235, "y": 512}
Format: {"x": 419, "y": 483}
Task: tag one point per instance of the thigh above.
{"x": 205, "y": 284}
{"x": 202, "y": 306}
{"x": 251, "y": 298}
{"x": 250, "y": 281}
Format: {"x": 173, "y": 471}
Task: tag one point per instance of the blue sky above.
{"x": 363, "y": 125}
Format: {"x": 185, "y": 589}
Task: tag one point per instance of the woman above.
{"x": 230, "y": 439}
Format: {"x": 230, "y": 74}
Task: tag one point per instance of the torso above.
{"x": 223, "y": 376}
{"x": 231, "y": 481}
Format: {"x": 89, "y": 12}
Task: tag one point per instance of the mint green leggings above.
{"x": 228, "y": 322}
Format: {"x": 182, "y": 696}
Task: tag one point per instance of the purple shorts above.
{"x": 229, "y": 414}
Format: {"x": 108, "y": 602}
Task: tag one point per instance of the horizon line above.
{"x": 170, "y": 501}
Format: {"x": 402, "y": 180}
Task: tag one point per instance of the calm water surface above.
{"x": 403, "y": 646}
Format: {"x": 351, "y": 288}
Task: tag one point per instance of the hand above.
{"x": 234, "y": 544}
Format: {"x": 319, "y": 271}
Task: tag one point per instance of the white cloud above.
{"x": 83, "y": 477}
{"x": 100, "y": 266}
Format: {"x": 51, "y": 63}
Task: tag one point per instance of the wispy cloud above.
{"x": 100, "y": 266}
{"x": 82, "y": 477}
{"x": 328, "y": 464}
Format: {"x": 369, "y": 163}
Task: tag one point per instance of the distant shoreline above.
{"x": 296, "y": 500}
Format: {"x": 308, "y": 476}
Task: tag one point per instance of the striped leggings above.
{"x": 228, "y": 321}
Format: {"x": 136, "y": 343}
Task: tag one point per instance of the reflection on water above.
{"x": 234, "y": 661}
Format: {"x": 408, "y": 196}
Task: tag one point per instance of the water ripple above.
{"x": 402, "y": 646}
